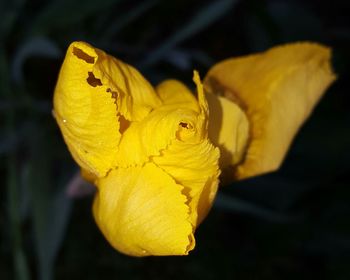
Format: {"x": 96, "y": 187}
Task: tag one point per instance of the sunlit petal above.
{"x": 142, "y": 211}
{"x": 148, "y": 137}
{"x": 194, "y": 166}
{"x": 85, "y": 112}
{"x": 173, "y": 120}
{"x": 95, "y": 99}
{"x": 173, "y": 92}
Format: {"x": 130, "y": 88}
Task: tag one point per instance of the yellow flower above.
{"x": 149, "y": 150}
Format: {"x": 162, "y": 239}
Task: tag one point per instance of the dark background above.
{"x": 292, "y": 224}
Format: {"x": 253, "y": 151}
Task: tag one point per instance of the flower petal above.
{"x": 95, "y": 98}
{"x": 153, "y": 134}
{"x": 175, "y": 119}
{"x": 278, "y": 90}
{"x": 141, "y": 211}
{"x": 228, "y": 129}
{"x": 194, "y": 166}
{"x": 134, "y": 95}
{"x": 193, "y": 161}
{"x": 85, "y": 112}
{"x": 173, "y": 92}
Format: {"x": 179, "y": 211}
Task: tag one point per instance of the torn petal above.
{"x": 95, "y": 99}
{"x": 134, "y": 95}
{"x": 85, "y": 112}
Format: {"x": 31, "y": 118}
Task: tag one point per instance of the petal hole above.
{"x": 82, "y": 55}
{"x": 93, "y": 81}
{"x": 124, "y": 124}
{"x": 186, "y": 125}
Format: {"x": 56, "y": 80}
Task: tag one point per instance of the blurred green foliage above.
{"x": 293, "y": 223}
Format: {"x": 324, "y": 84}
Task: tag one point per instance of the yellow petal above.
{"x": 88, "y": 176}
{"x": 85, "y": 112}
{"x": 173, "y": 92}
{"x": 141, "y": 211}
{"x": 94, "y": 93}
{"x": 278, "y": 90}
{"x": 228, "y": 129}
{"x": 153, "y": 134}
{"x": 134, "y": 95}
{"x": 203, "y": 117}
{"x": 194, "y": 166}
{"x": 175, "y": 119}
